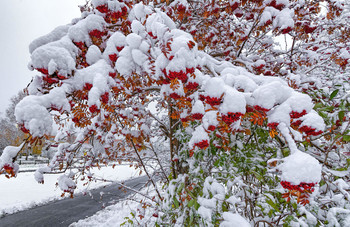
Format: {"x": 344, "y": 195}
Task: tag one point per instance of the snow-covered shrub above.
{"x": 216, "y": 109}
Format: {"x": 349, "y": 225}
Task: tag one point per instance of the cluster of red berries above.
{"x": 23, "y": 129}
{"x": 185, "y": 119}
{"x": 80, "y": 45}
{"x": 197, "y": 116}
{"x": 112, "y": 74}
{"x": 103, "y": 8}
{"x": 105, "y": 98}
{"x": 192, "y": 85}
{"x": 175, "y": 95}
{"x": 179, "y": 75}
{"x": 234, "y": 6}
{"x": 96, "y": 33}
{"x": 113, "y": 57}
{"x": 286, "y": 30}
{"x": 87, "y": 86}
{"x": 300, "y": 187}
{"x": 296, "y": 123}
{"x": 211, "y": 127}
{"x": 50, "y": 79}
{"x": 261, "y": 109}
{"x": 309, "y": 29}
{"x": 231, "y": 117}
{"x": 111, "y": 17}
{"x": 75, "y": 120}
{"x": 203, "y": 144}
{"x": 213, "y": 101}
{"x": 295, "y": 114}
{"x": 55, "y": 108}
{"x": 152, "y": 35}
{"x": 274, "y": 4}
{"x": 249, "y": 109}
{"x": 272, "y": 125}
{"x": 9, "y": 170}
{"x": 310, "y": 131}
{"x": 7, "y": 167}
{"x": 93, "y": 109}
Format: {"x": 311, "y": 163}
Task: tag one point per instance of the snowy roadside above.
{"x": 23, "y": 192}
{"x": 119, "y": 213}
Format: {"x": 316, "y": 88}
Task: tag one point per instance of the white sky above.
{"x": 22, "y": 21}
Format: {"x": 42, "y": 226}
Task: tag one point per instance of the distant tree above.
{"x": 10, "y": 111}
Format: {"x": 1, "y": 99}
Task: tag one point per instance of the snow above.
{"x": 93, "y": 54}
{"x": 314, "y": 120}
{"x": 34, "y": 116}
{"x": 234, "y": 219}
{"x": 198, "y": 135}
{"x": 300, "y": 167}
{"x": 55, "y": 35}
{"x": 214, "y": 87}
{"x": 284, "y": 19}
{"x": 198, "y": 107}
{"x": 270, "y": 94}
{"x": 80, "y": 31}
{"x": 115, "y": 215}
{"x": 23, "y": 192}
{"x": 60, "y": 54}
{"x": 234, "y": 102}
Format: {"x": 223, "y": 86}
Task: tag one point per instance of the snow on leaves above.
{"x": 103, "y": 73}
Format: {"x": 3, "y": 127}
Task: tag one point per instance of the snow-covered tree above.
{"x": 201, "y": 92}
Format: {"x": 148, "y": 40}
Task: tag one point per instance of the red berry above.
{"x": 211, "y": 128}
{"x": 197, "y": 116}
{"x": 174, "y": 95}
{"x": 43, "y": 71}
{"x": 105, "y": 98}
{"x": 213, "y": 101}
{"x": 286, "y": 30}
{"x": 231, "y": 117}
{"x": 272, "y": 125}
{"x": 202, "y": 145}
{"x": 192, "y": 85}
{"x": 120, "y": 48}
{"x": 102, "y": 8}
{"x": 93, "y": 109}
{"x": 261, "y": 109}
{"x": 113, "y": 57}
{"x": 87, "y": 86}
{"x": 112, "y": 74}
{"x": 96, "y": 33}
{"x": 295, "y": 114}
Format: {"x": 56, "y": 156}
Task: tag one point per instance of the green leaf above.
{"x": 191, "y": 203}
{"x": 272, "y": 204}
{"x": 346, "y": 138}
{"x": 333, "y": 94}
{"x": 176, "y": 203}
{"x": 179, "y": 189}
{"x": 341, "y": 115}
{"x": 196, "y": 205}
{"x": 318, "y": 105}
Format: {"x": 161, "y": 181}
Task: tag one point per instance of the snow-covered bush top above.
{"x": 103, "y": 73}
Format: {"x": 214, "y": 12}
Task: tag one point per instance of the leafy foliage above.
{"x": 204, "y": 94}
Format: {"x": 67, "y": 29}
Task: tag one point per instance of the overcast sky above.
{"x": 21, "y": 21}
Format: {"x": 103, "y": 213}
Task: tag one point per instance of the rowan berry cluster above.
{"x": 203, "y": 144}
{"x": 231, "y": 117}
{"x": 302, "y": 187}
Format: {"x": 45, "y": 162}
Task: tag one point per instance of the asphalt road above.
{"x": 66, "y": 211}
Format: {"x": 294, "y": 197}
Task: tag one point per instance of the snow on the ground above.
{"x": 114, "y": 215}
{"x": 23, "y": 192}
